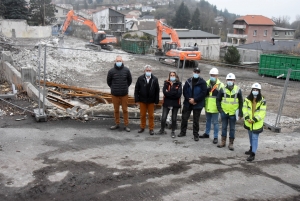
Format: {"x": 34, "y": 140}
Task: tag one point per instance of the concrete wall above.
{"x": 249, "y": 55}
{"x": 20, "y": 29}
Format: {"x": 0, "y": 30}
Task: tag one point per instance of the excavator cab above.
{"x": 98, "y": 37}
{"x": 169, "y": 45}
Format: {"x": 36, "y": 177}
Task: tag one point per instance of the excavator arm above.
{"x": 163, "y": 28}
{"x": 71, "y": 16}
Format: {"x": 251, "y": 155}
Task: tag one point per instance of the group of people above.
{"x": 217, "y": 98}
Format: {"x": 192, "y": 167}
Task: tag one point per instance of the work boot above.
{"x": 223, "y": 142}
{"x": 251, "y": 157}
{"x": 249, "y": 152}
{"x": 230, "y": 146}
{"x": 115, "y": 127}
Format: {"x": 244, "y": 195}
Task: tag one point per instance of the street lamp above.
{"x": 227, "y": 36}
{"x": 212, "y": 30}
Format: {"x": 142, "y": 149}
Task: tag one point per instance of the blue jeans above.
{"x": 212, "y": 118}
{"x": 225, "y": 119}
{"x": 253, "y": 137}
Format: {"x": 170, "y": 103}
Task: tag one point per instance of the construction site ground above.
{"x": 75, "y": 159}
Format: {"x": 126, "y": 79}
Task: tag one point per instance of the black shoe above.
{"x": 181, "y": 135}
{"x": 196, "y": 137}
{"x": 161, "y": 132}
{"x": 249, "y": 152}
{"x": 173, "y": 134}
{"x": 115, "y": 127}
{"x": 251, "y": 157}
{"x": 215, "y": 141}
{"x": 204, "y": 136}
{"x": 141, "y": 130}
{"x": 151, "y": 132}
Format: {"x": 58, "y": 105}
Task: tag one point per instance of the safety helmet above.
{"x": 214, "y": 71}
{"x": 197, "y": 69}
{"x": 230, "y": 76}
{"x": 256, "y": 86}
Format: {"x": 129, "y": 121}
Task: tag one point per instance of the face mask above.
{"x": 196, "y": 75}
{"x": 213, "y": 79}
{"x": 148, "y": 74}
{"x": 229, "y": 83}
{"x": 172, "y": 79}
{"x": 119, "y": 64}
{"x": 255, "y": 93}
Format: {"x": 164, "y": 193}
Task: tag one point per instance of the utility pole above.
{"x": 44, "y": 13}
{"x": 212, "y": 30}
{"x": 227, "y": 36}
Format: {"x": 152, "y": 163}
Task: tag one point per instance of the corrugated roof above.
{"x": 256, "y": 20}
{"x": 268, "y": 46}
{"x": 282, "y": 29}
{"x": 196, "y": 34}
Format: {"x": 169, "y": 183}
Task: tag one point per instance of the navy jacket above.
{"x": 200, "y": 90}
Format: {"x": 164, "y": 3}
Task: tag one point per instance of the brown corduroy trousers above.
{"x": 117, "y": 101}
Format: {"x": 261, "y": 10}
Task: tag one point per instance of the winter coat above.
{"x": 200, "y": 89}
{"x": 146, "y": 93}
{"x": 172, "y": 94}
{"x": 119, "y": 79}
{"x": 258, "y": 116}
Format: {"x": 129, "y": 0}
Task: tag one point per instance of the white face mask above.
{"x": 255, "y": 93}
{"x": 230, "y": 83}
{"x": 148, "y": 74}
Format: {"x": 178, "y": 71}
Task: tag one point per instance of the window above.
{"x": 276, "y": 33}
{"x": 254, "y": 32}
{"x": 265, "y": 32}
{"x": 102, "y": 26}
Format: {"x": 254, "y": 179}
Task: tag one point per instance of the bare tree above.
{"x": 282, "y": 21}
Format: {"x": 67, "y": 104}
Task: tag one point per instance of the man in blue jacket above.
{"x": 194, "y": 92}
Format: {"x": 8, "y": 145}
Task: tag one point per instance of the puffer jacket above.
{"x": 144, "y": 95}
{"x": 200, "y": 90}
{"x": 119, "y": 79}
{"x": 172, "y": 94}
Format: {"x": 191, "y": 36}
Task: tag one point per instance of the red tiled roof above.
{"x": 256, "y": 20}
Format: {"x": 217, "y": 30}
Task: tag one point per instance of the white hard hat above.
{"x": 230, "y": 76}
{"x": 256, "y": 86}
{"x": 214, "y": 71}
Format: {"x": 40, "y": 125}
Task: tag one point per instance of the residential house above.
{"x": 208, "y": 44}
{"x": 219, "y": 19}
{"x": 61, "y": 11}
{"x": 148, "y": 9}
{"x": 251, "y": 28}
{"x": 147, "y": 18}
{"x": 130, "y": 18}
{"x": 138, "y": 6}
{"x": 280, "y": 33}
{"x": 109, "y": 20}
{"x": 251, "y": 52}
{"x": 135, "y": 13}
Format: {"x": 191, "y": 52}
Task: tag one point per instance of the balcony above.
{"x": 237, "y": 26}
{"x": 237, "y": 36}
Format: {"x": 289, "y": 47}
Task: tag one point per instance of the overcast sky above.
{"x": 268, "y": 8}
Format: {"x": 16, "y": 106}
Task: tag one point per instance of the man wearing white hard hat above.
{"x": 254, "y": 110}
{"x": 229, "y": 102}
{"x": 211, "y": 111}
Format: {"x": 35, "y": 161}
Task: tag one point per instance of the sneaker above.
{"x": 215, "y": 141}
{"x": 127, "y": 129}
{"x": 204, "y": 136}
{"x": 181, "y": 135}
{"x": 173, "y": 134}
{"x": 161, "y": 132}
{"x": 115, "y": 127}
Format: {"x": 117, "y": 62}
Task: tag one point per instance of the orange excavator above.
{"x": 173, "y": 49}
{"x": 99, "y": 38}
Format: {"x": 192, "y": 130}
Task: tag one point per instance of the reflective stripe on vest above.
{"x": 230, "y": 105}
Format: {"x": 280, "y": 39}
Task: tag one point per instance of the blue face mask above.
{"x": 196, "y": 75}
{"x": 119, "y": 64}
{"x": 213, "y": 79}
{"x": 148, "y": 74}
{"x": 229, "y": 83}
{"x": 255, "y": 93}
{"x": 172, "y": 79}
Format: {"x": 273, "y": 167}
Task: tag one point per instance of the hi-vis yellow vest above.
{"x": 210, "y": 100}
{"x": 230, "y": 101}
{"x": 259, "y": 115}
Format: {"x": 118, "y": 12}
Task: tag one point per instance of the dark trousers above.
{"x": 186, "y": 112}
{"x": 165, "y": 113}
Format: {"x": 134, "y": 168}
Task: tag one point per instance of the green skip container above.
{"x": 277, "y": 64}
{"x": 135, "y": 46}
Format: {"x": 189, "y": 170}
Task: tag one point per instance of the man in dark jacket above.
{"x": 146, "y": 94}
{"x": 194, "y": 92}
{"x": 119, "y": 79}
